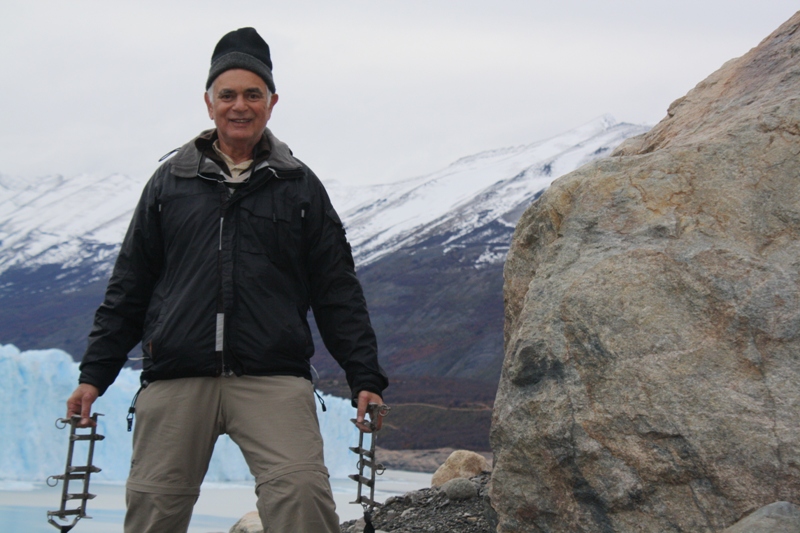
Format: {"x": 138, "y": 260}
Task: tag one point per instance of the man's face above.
{"x": 240, "y": 108}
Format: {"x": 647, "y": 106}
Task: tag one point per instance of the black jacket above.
{"x": 212, "y": 283}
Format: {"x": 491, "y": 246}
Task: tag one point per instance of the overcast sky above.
{"x": 371, "y": 91}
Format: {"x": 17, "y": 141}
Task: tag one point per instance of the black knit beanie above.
{"x": 243, "y": 48}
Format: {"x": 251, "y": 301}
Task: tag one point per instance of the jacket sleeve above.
{"x": 337, "y": 298}
{"x": 119, "y": 321}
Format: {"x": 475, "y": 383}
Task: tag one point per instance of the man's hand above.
{"x": 80, "y": 403}
{"x": 364, "y": 399}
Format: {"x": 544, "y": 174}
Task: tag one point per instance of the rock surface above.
{"x": 459, "y": 489}
{"x": 249, "y": 523}
{"x": 460, "y": 464}
{"x": 778, "y": 517}
{"x": 651, "y": 379}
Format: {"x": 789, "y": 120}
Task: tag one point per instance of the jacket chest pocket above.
{"x": 274, "y": 231}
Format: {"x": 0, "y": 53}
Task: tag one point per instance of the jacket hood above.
{"x": 187, "y": 160}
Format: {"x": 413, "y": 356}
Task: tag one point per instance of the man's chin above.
{"x": 242, "y": 134}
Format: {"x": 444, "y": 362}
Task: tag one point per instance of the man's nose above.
{"x": 239, "y": 103}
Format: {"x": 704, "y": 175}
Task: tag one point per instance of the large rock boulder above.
{"x": 652, "y": 370}
{"x": 249, "y": 523}
{"x": 460, "y": 464}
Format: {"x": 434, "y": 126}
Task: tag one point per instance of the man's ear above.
{"x": 208, "y": 105}
{"x": 271, "y": 104}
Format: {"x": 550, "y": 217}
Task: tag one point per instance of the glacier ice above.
{"x": 36, "y": 384}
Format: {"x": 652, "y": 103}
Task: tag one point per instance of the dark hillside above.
{"x": 437, "y": 308}
{"x": 439, "y": 322}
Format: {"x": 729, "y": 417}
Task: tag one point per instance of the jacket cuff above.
{"x": 91, "y": 380}
{"x": 365, "y": 387}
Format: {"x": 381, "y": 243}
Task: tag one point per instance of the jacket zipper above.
{"x": 220, "y": 323}
{"x": 227, "y": 203}
{"x": 219, "y": 338}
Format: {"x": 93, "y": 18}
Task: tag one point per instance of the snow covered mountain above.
{"x": 62, "y": 221}
{"x": 473, "y": 191}
{"x": 81, "y": 220}
{"x": 418, "y": 244}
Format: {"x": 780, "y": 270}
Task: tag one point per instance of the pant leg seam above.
{"x": 157, "y": 488}
{"x": 274, "y": 474}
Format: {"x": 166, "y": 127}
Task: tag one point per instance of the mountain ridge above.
{"x": 488, "y": 185}
{"x": 418, "y": 244}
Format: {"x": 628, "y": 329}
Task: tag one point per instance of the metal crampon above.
{"x": 367, "y": 458}
{"x": 74, "y": 473}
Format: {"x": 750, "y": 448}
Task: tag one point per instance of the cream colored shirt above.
{"x": 239, "y": 172}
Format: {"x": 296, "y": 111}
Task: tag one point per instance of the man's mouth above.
{"x": 240, "y": 120}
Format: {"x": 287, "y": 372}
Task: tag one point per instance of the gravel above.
{"x": 431, "y": 510}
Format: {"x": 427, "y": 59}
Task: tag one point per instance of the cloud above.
{"x": 370, "y": 91}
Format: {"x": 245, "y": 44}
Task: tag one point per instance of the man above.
{"x": 232, "y": 241}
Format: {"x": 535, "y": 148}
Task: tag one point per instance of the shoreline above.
{"x": 24, "y": 505}
{"x": 425, "y": 461}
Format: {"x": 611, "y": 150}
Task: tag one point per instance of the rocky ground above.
{"x": 459, "y": 505}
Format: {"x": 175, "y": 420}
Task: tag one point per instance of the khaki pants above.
{"x": 273, "y": 421}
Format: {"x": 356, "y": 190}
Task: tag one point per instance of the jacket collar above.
{"x": 187, "y": 161}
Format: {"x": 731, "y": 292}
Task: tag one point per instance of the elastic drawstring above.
{"x": 321, "y": 401}
{"x": 316, "y": 392}
{"x": 132, "y": 408}
{"x": 163, "y": 157}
